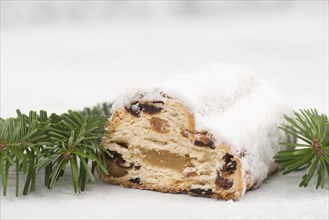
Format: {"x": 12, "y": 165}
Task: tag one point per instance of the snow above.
{"x": 278, "y": 198}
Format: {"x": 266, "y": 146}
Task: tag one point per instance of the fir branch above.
{"x": 21, "y": 139}
{"x": 312, "y": 129}
{"x": 51, "y": 143}
{"x": 104, "y": 108}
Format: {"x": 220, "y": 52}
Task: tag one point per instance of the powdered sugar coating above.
{"x": 238, "y": 108}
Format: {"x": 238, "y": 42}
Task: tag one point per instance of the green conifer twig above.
{"x": 38, "y": 141}
{"x": 312, "y": 130}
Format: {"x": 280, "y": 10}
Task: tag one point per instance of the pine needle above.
{"x": 37, "y": 141}
{"x": 311, "y": 128}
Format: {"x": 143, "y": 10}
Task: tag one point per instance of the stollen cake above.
{"x": 212, "y": 134}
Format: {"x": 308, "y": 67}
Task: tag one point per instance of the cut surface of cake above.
{"x": 211, "y": 134}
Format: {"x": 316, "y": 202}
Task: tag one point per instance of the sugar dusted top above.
{"x": 238, "y": 108}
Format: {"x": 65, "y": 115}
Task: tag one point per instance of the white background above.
{"x": 59, "y": 55}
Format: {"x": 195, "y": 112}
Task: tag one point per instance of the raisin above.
{"x": 227, "y": 157}
{"x": 204, "y": 144}
{"x": 135, "y": 180}
{"x": 158, "y": 102}
{"x": 229, "y": 166}
{"x": 152, "y": 107}
{"x": 123, "y": 144}
{"x": 201, "y": 192}
{"x": 223, "y": 183}
{"x": 148, "y": 107}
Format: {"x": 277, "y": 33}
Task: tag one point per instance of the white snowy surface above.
{"x": 278, "y": 198}
{"x": 68, "y": 66}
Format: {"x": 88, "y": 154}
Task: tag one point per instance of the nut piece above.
{"x": 114, "y": 170}
{"x": 185, "y": 133}
{"x": 116, "y": 165}
{"x": 159, "y": 125}
{"x": 120, "y": 162}
{"x": 204, "y": 139}
{"x": 191, "y": 174}
{"x": 133, "y": 109}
